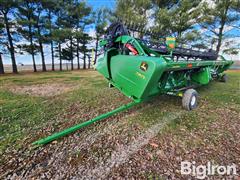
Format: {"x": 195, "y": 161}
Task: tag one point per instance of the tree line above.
{"x": 26, "y": 26}
{"x": 199, "y": 23}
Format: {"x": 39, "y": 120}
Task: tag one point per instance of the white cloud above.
{"x": 211, "y": 3}
{"x": 92, "y": 32}
{"x": 150, "y": 20}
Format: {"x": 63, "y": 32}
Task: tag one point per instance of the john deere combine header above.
{"x": 142, "y": 69}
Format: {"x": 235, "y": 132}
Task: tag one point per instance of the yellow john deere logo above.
{"x": 144, "y": 66}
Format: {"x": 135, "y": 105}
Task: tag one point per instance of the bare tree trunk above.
{"x": 219, "y": 41}
{"x": 32, "y": 48}
{"x": 1, "y": 65}
{"x": 223, "y": 22}
{"x": 96, "y": 49}
{"x": 71, "y": 49}
{"x": 42, "y": 56}
{"x": 78, "y": 63}
{"x": 31, "y": 39}
{"x": 89, "y": 62}
{"x": 52, "y": 51}
{"x": 41, "y": 49}
{"x": 11, "y": 48}
{"x": 34, "y": 63}
{"x": 84, "y": 60}
{"x": 60, "y": 56}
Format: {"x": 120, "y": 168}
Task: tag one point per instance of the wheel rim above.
{"x": 193, "y": 100}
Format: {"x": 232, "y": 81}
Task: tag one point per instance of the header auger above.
{"x": 142, "y": 69}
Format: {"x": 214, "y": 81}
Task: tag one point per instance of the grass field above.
{"x": 147, "y": 141}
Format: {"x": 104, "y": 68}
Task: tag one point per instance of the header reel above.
{"x": 163, "y": 48}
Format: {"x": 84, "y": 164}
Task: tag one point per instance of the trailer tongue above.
{"x": 81, "y": 125}
{"x": 142, "y": 69}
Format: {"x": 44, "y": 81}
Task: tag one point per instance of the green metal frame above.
{"x": 164, "y": 75}
{"x": 142, "y": 77}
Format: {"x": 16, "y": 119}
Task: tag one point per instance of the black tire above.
{"x": 224, "y": 78}
{"x": 189, "y": 99}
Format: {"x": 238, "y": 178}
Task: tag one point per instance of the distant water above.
{"x": 235, "y": 67}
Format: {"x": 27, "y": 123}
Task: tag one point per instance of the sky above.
{"x": 95, "y": 4}
{"x": 101, "y": 3}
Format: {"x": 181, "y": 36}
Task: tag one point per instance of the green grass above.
{"x": 224, "y": 92}
{"x": 22, "y": 116}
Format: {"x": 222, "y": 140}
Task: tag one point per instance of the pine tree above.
{"x": 101, "y": 17}
{"x": 26, "y": 28}
{"x": 60, "y": 36}
{"x": 1, "y": 64}
{"x": 78, "y": 35}
{"x": 50, "y": 7}
{"x": 2, "y": 46}
{"x": 58, "y": 33}
{"x": 67, "y": 22}
{"x": 83, "y": 48}
{"x": 66, "y": 55}
{"x": 174, "y": 18}
{"x": 166, "y": 4}
{"x": 7, "y": 10}
{"x": 217, "y": 17}
{"x": 135, "y": 13}
{"x": 39, "y": 25}
{"x": 77, "y": 18}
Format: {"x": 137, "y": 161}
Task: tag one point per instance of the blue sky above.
{"x": 102, "y": 3}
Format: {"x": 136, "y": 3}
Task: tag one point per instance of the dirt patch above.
{"x": 43, "y": 89}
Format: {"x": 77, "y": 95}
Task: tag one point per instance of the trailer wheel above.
{"x": 224, "y": 78}
{"x": 189, "y": 100}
